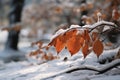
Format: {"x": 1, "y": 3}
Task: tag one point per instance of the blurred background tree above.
{"x": 14, "y": 17}
{"x": 41, "y": 17}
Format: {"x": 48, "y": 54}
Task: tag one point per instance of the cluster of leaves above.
{"x": 41, "y": 53}
{"x": 73, "y": 39}
{"x": 78, "y": 38}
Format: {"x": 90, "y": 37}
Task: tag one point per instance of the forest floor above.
{"x": 32, "y": 69}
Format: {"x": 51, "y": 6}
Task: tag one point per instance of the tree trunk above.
{"x": 14, "y": 17}
{"x": 85, "y": 12}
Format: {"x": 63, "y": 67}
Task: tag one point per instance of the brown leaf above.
{"x": 74, "y": 44}
{"x": 58, "y": 9}
{"x": 86, "y": 36}
{"x": 82, "y": 41}
{"x": 85, "y": 50}
{"x": 69, "y": 34}
{"x": 52, "y": 42}
{"x": 39, "y": 43}
{"x": 60, "y": 44}
{"x": 94, "y": 36}
{"x": 98, "y": 47}
{"x": 36, "y": 52}
{"x": 60, "y": 41}
{"x": 45, "y": 56}
{"x": 115, "y": 14}
{"x": 6, "y": 28}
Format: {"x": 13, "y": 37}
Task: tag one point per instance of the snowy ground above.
{"x": 26, "y": 70}
{"x": 33, "y": 70}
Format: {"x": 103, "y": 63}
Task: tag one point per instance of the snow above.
{"x": 9, "y": 55}
{"x": 60, "y": 31}
{"x": 102, "y": 22}
{"x": 117, "y": 77}
{"x": 54, "y": 70}
{"x": 5, "y": 34}
{"x": 32, "y": 69}
{"x": 75, "y": 26}
{"x": 99, "y": 16}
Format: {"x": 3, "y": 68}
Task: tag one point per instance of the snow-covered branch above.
{"x": 101, "y": 70}
{"x": 101, "y": 23}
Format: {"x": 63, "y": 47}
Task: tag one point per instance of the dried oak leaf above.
{"x": 98, "y": 47}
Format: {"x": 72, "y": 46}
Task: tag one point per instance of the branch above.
{"x": 101, "y": 23}
{"x": 99, "y": 70}
{"x": 104, "y": 69}
{"x": 109, "y": 66}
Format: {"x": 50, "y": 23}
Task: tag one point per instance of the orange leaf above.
{"x": 115, "y": 14}
{"x": 69, "y": 34}
{"x": 86, "y": 36}
{"x": 53, "y": 42}
{"x": 98, "y": 47}
{"x": 60, "y": 44}
{"x": 58, "y": 10}
{"x": 85, "y": 50}
{"x": 94, "y": 36}
{"x": 74, "y": 44}
{"x": 82, "y": 41}
{"x": 39, "y": 43}
{"x": 63, "y": 37}
{"x": 45, "y": 56}
{"x": 36, "y": 52}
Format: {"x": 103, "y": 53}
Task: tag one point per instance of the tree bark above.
{"x": 85, "y": 12}
{"x": 14, "y": 17}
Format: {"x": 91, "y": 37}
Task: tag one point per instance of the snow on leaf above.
{"x": 75, "y": 26}
{"x": 61, "y": 39}
{"x": 58, "y": 43}
{"x": 68, "y": 34}
{"x": 53, "y": 42}
{"x": 102, "y": 23}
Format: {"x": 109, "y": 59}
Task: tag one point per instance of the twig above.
{"x": 101, "y": 23}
